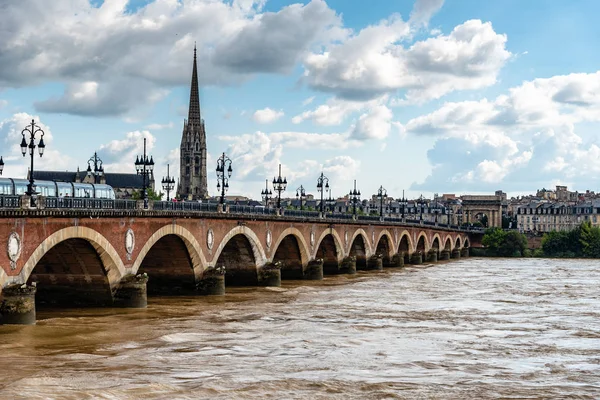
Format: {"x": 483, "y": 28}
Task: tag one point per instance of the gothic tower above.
{"x": 192, "y": 157}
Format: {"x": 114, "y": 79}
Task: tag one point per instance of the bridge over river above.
{"x": 80, "y": 252}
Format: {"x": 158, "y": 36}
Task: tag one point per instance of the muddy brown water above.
{"x": 478, "y": 328}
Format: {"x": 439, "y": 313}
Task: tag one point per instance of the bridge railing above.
{"x": 10, "y": 201}
{"x": 184, "y": 206}
{"x": 88, "y": 203}
{"x": 301, "y": 213}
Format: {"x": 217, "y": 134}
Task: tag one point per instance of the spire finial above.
{"x": 194, "y": 49}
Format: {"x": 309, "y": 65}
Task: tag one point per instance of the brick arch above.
{"x": 365, "y": 238}
{"x": 447, "y": 240}
{"x": 437, "y": 236}
{"x": 197, "y": 258}
{"x": 291, "y": 249}
{"x": 458, "y": 242}
{"x": 426, "y": 244}
{"x": 112, "y": 263}
{"x": 411, "y": 247}
{"x": 257, "y": 250}
{"x": 391, "y": 245}
{"x": 466, "y": 242}
{"x": 336, "y": 240}
{"x": 304, "y": 249}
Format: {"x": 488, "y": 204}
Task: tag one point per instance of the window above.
{"x": 197, "y": 146}
{"x": 187, "y": 170}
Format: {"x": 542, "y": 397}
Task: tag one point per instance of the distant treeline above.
{"x": 581, "y": 242}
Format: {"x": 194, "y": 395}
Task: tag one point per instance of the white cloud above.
{"x": 308, "y": 101}
{"x": 113, "y": 60}
{"x": 120, "y": 155}
{"x": 157, "y": 127}
{"x": 522, "y": 139}
{"x": 267, "y": 115}
{"x": 373, "y": 125}
{"x": 372, "y": 62}
{"x": 423, "y": 10}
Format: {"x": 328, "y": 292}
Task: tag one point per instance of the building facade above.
{"x": 192, "y": 156}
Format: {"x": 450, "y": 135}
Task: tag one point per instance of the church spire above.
{"x": 194, "y": 109}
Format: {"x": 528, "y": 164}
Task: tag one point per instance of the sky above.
{"x": 425, "y": 96}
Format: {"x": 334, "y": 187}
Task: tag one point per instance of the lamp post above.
{"x": 381, "y": 194}
{"x": 144, "y": 167}
{"x": 322, "y": 186}
{"x": 98, "y": 168}
{"x": 300, "y": 193}
{"x": 168, "y": 183}
{"x": 403, "y": 204}
{"x": 1, "y": 165}
{"x": 354, "y": 198}
{"x": 421, "y": 207}
{"x": 32, "y": 130}
{"x": 279, "y": 185}
{"x": 266, "y": 193}
{"x": 223, "y": 166}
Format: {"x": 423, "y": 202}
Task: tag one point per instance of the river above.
{"x": 479, "y": 328}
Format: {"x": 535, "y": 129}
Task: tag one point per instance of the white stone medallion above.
{"x": 269, "y": 239}
{"x": 210, "y": 239}
{"x": 312, "y": 238}
{"x": 129, "y": 243}
{"x": 346, "y": 238}
{"x": 13, "y": 248}
{"x": 373, "y": 238}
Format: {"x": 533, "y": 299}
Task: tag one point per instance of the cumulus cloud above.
{"x": 374, "y": 62}
{"x": 267, "y": 115}
{"x": 522, "y": 139}
{"x": 119, "y": 155}
{"x": 423, "y": 10}
{"x": 112, "y": 59}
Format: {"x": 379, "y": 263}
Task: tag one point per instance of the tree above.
{"x": 504, "y": 244}
{"x": 152, "y": 195}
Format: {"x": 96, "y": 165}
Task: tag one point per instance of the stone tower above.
{"x": 192, "y": 159}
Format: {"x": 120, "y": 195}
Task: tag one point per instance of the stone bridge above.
{"x": 117, "y": 257}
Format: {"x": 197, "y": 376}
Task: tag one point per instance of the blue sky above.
{"x": 427, "y": 96}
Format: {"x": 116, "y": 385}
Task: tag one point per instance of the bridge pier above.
{"x": 445, "y": 255}
{"x": 416, "y": 258}
{"x": 18, "y": 305}
{"x": 212, "y": 282}
{"x": 375, "y": 262}
{"x": 397, "y": 261}
{"x": 348, "y": 265}
{"x": 314, "y": 270}
{"x": 456, "y": 253}
{"x": 432, "y": 256}
{"x": 464, "y": 252}
{"x": 270, "y": 274}
{"x": 132, "y": 292}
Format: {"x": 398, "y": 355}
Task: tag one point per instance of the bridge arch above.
{"x": 436, "y": 240}
{"x": 466, "y": 243}
{"x": 241, "y": 252}
{"x": 292, "y": 250}
{"x": 385, "y": 246}
{"x": 337, "y": 241}
{"x": 405, "y": 245}
{"x": 111, "y": 262}
{"x": 422, "y": 243}
{"x": 458, "y": 242}
{"x": 175, "y": 245}
{"x": 360, "y": 248}
{"x": 448, "y": 243}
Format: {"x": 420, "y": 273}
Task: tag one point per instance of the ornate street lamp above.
{"x": 1, "y": 165}
{"x": 322, "y": 186}
{"x": 381, "y": 194}
{"x": 224, "y": 172}
{"x": 300, "y": 193}
{"x": 98, "y": 170}
{"x": 168, "y": 183}
{"x": 144, "y": 167}
{"x": 403, "y": 204}
{"x": 279, "y": 185}
{"x": 266, "y": 193}
{"x": 32, "y": 130}
{"x": 354, "y": 196}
